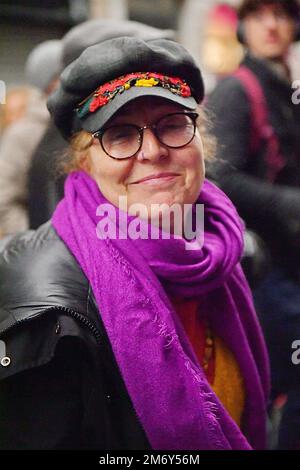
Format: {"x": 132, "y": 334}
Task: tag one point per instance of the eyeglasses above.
{"x": 123, "y": 141}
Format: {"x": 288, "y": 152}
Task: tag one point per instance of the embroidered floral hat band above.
{"x": 109, "y": 90}
{"x": 134, "y": 85}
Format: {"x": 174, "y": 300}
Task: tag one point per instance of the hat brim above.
{"x": 95, "y": 121}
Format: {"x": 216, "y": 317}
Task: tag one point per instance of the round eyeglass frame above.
{"x": 99, "y": 134}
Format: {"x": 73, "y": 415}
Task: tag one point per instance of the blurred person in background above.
{"x": 118, "y": 341}
{"x": 257, "y": 125}
{"x": 15, "y": 106}
{"x": 20, "y": 139}
{"x": 221, "y": 51}
{"x": 45, "y": 181}
{"x": 207, "y": 26}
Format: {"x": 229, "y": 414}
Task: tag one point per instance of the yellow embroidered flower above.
{"x": 146, "y": 82}
{"x": 126, "y": 86}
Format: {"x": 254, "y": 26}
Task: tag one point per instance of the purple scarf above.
{"x": 131, "y": 279}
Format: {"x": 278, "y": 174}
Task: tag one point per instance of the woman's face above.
{"x": 117, "y": 178}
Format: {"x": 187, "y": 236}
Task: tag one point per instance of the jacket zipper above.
{"x": 5, "y": 361}
{"x": 82, "y": 319}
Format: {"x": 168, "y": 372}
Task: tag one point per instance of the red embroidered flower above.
{"x": 117, "y": 82}
{"x": 108, "y": 90}
{"x": 185, "y": 91}
{"x": 131, "y": 76}
{"x": 107, "y": 87}
{"x": 175, "y": 80}
{"x": 98, "y": 102}
{"x": 157, "y": 75}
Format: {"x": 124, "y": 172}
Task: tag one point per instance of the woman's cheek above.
{"x": 194, "y": 163}
{"x": 195, "y": 174}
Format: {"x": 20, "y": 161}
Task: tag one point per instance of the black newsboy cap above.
{"x": 114, "y": 58}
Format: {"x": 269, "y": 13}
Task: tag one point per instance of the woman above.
{"x": 112, "y": 339}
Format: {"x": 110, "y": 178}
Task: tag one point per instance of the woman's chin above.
{"x": 157, "y": 203}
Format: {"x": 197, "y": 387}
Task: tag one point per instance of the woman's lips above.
{"x": 157, "y": 179}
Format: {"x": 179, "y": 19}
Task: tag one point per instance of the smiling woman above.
{"x": 142, "y": 342}
{"x": 171, "y": 129}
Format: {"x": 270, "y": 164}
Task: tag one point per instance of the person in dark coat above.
{"x": 126, "y": 322}
{"x": 257, "y": 124}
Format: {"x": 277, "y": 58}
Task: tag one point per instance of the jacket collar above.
{"x": 34, "y": 267}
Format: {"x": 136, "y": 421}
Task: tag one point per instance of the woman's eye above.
{"x": 119, "y": 135}
{"x": 281, "y": 15}
{"x": 174, "y": 126}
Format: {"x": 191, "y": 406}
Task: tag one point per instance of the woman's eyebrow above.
{"x": 126, "y": 118}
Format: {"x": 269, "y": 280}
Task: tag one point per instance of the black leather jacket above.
{"x": 60, "y": 386}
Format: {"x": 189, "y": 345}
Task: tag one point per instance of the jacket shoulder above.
{"x": 37, "y": 272}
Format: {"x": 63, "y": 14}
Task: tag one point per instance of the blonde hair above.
{"x": 76, "y": 156}
{"x": 17, "y": 99}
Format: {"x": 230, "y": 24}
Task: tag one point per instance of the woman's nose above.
{"x": 151, "y": 149}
